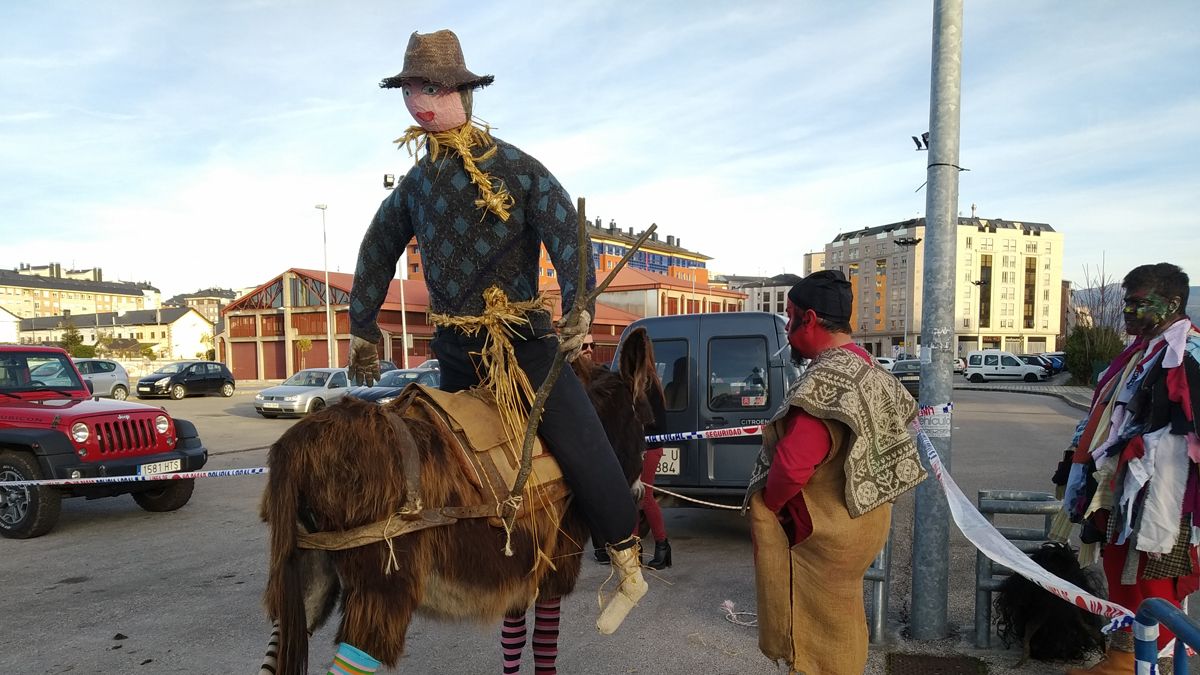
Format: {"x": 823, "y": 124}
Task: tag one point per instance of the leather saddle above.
{"x": 487, "y": 454}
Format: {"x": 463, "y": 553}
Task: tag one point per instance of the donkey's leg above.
{"x": 545, "y": 636}
{"x": 512, "y": 642}
{"x": 376, "y": 613}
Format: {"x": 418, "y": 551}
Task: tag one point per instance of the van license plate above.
{"x": 668, "y": 465}
{"x": 160, "y": 467}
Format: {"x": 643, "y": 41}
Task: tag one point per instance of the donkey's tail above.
{"x": 284, "y": 594}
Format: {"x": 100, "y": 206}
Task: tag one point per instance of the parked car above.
{"x": 908, "y": 371}
{"x": 187, "y": 378}
{"x": 393, "y": 382}
{"x": 703, "y": 361}
{"x": 429, "y": 364}
{"x": 885, "y": 362}
{"x": 960, "y": 365}
{"x": 1058, "y": 360}
{"x": 1038, "y": 360}
{"x": 108, "y": 378}
{"x": 53, "y": 428}
{"x": 307, "y": 391}
{"x": 994, "y": 364}
{"x": 385, "y": 365}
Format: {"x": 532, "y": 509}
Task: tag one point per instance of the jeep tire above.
{"x": 178, "y": 392}
{"x": 30, "y": 511}
{"x": 173, "y": 495}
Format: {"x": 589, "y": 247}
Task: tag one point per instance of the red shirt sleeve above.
{"x": 803, "y": 445}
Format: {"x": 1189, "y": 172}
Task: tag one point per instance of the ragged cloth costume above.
{"x": 833, "y": 458}
{"x": 1133, "y": 482}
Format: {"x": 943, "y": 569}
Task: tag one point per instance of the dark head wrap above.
{"x": 827, "y": 293}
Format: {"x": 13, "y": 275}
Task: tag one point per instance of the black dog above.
{"x": 1049, "y": 627}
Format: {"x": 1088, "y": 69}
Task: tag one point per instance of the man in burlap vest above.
{"x": 834, "y": 457}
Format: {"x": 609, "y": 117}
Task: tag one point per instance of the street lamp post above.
{"x": 978, "y": 312}
{"x": 907, "y": 242}
{"x": 328, "y": 308}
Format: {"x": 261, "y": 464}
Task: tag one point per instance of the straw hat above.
{"x": 438, "y": 58}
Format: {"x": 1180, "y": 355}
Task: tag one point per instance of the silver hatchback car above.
{"x": 108, "y": 378}
{"x": 307, "y": 391}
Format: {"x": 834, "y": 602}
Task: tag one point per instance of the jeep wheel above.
{"x": 177, "y": 391}
{"x": 975, "y": 377}
{"x": 315, "y": 406}
{"x": 29, "y": 511}
{"x": 120, "y": 393}
{"x": 172, "y": 496}
{"x": 227, "y": 389}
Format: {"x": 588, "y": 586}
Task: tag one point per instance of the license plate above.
{"x": 909, "y": 378}
{"x": 160, "y": 467}
{"x": 668, "y": 465}
{"x": 143, "y": 388}
{"x": 270, "y": 405}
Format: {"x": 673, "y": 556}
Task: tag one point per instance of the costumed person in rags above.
{"x": 820, "y": 500}
{"x": 480, "y": 209}
{"x": 1129, "y": 477}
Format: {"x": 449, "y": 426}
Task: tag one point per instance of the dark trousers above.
{"x": 569, "y": 426}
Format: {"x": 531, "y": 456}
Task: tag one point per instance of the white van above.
{"x": 994, "y": 364}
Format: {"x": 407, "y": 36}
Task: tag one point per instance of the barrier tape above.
{"x": 729, "y": 432}
{"x": 182, "y": 475}
{"x": 984, "y": 536}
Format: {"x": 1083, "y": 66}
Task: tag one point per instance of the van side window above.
{"x": 737, "y": 373}
{"x": 671, "y": 362}
{"x": 991, "y": 360}
{"x": 1009, "y": 361}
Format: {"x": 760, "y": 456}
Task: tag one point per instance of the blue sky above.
{"x": 185, "y": 143}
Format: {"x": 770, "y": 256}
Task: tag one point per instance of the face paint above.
{"x": 435, "y": 108}
{"x": 1145, "y": 312}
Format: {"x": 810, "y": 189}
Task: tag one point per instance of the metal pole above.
{"x": 328, "y": 310}
{"x": 930, "y": 523}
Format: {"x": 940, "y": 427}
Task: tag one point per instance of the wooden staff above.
{"x": 543, "y": 392}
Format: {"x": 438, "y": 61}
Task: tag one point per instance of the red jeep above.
{"x": 51, "y": 427}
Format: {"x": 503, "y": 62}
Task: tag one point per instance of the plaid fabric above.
{"x": 1177, "y": 563}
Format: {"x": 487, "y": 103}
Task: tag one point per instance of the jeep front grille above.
{"x": 125, "y": 436}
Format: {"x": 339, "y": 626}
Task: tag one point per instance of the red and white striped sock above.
{"x": 545, "y": 636}
{"x": 512, "y": 643}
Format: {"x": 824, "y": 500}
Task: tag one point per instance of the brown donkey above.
{"x": 342, "y": 469}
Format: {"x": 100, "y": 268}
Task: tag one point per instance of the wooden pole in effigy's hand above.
{"x": 539, "y": 401}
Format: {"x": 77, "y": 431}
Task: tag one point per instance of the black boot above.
{"x": 662, "y": 555}
{"x": 601, "y": 556}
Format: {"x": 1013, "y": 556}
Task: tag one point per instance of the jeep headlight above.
{"x": 80, "y": 432}
{"x": 162, "y": 382}
{"x": 161, "y": 424}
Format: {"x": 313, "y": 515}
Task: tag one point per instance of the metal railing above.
{"x": 989, "y": 575}
{"x": 1150, "y": 614}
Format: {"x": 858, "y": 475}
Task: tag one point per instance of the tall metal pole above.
{"x": 930, "y": 563}
{"x": 404, "y": 308}
{"x": 328, "y": 309}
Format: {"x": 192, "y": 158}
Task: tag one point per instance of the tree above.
{"x": 71, "y": 339}
{"x": 1097, "y": 311}
{"x": 303, "y": 345}
{"x": 209, "y": 341}
{"x": 147, "y": 351}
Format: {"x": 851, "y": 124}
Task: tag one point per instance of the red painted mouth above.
{"x": 425, "y": 116}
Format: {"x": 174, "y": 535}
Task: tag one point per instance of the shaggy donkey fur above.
{"x": 340, "y": 469}
{"x": 1049, "y": 627}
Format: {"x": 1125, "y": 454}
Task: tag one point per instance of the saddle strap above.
{"x": 411, "y": 466}
{"x": 392, "y": 527}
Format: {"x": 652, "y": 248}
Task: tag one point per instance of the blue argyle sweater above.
{"x": 465, "y": 250}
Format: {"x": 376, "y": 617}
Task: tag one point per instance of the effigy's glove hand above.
{"x": 572, "y": 334}
{"x": 364, "y": 361}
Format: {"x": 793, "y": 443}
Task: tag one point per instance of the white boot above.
{"x": 627, "y": 565}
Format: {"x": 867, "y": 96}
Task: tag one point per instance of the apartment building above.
{"x": 172, "y": 332}
{"x": 769, "y": 295}
{"x": 49, "y": 291}
{"x": 208, "y": 302}
{"x": 1008, "y": 284}
{"x": 814, "y": 261}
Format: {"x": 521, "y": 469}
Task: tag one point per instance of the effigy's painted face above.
{"x": 436, "y": 108}
{"x": 1145, "y": 312}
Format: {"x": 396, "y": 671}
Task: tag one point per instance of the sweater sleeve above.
{"x": 553, "y": 216}
{"x": 802, "y": 447}
{"x": 389, "y": 232}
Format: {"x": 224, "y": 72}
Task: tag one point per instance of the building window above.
{"x": 968, "y": 243}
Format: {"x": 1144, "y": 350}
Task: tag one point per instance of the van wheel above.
{"x": 173, "y": 496}
{"x": 28, "y": 511}
{"x": 975, "y": 377}
{"x": 1030, "y": 377}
